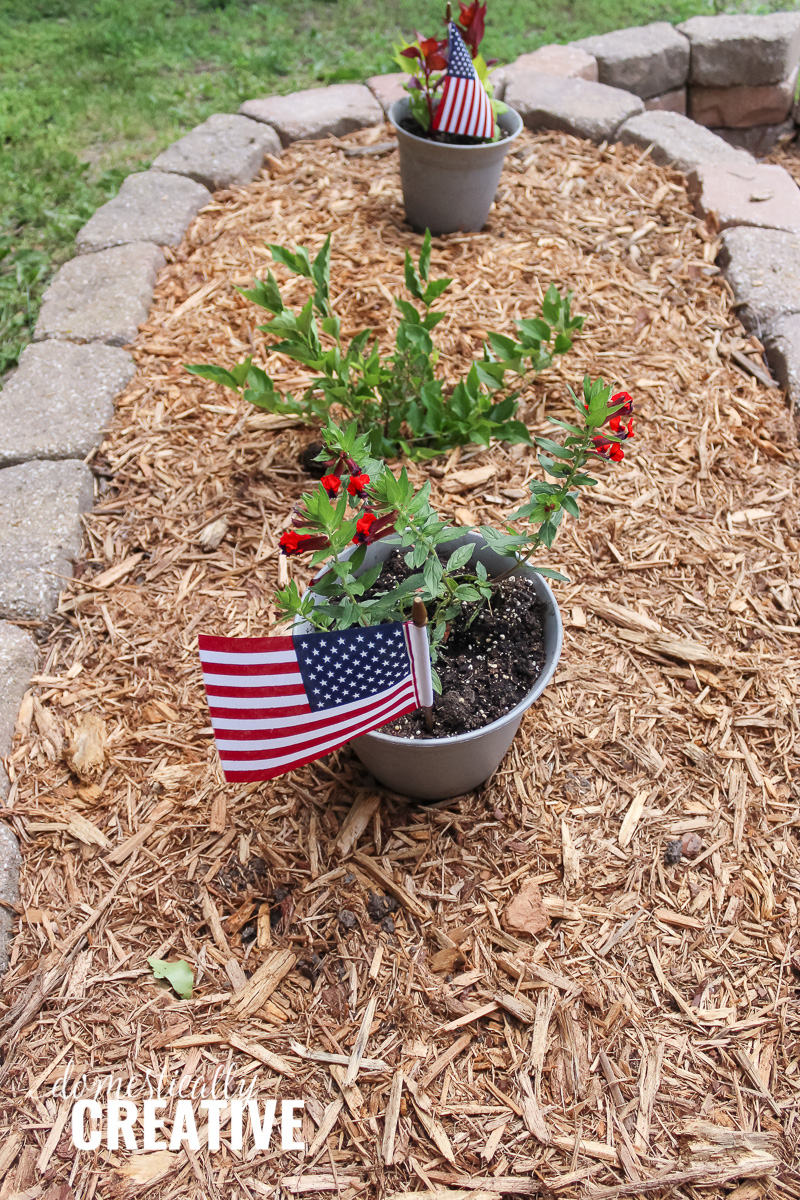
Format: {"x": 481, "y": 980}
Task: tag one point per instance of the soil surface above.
{"x": 486, "y": 666}
{"x": 450, "y": 139}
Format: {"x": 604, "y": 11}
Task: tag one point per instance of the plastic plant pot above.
{"x": 448, "y": 188}
{"x": 436, "y": 768}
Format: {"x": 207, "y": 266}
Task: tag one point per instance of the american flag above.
{"x": 465, "y": 106}
{"x": 279, "y": 702}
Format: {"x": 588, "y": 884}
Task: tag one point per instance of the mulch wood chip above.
{"x": 645, "y": 1040}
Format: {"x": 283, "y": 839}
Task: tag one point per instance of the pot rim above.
{"x": 521, "y": 707}
{"x": 447, "y": 147}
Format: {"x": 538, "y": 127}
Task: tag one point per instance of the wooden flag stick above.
{"x": 449, "y": 13}
{"x": 419, "y": 615}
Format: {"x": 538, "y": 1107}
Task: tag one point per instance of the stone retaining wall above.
{"x": 734, "y": 75}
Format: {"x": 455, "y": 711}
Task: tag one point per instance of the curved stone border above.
{"x": 633, "y": 85}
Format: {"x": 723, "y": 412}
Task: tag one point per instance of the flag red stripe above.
{"x": 234, "y": 693}
{"x": 227, "y": 645}
{"x": 305, "y": 734}
{"x": 252, "y": 774}
{"x": 246, "y": 669}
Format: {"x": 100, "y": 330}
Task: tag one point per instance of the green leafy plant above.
{"x": 177, "y": 974}
{"x": 398, "y": 400}
{"x": 360, "y": 501}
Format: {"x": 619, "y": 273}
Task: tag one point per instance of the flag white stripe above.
{"x": 215, "y": 703}
{"x": 307, "y": 718}
{"x": 253, "y": 681}
{"x": 446, "y": 104}
{"x": 347, "y": 724}
{"x": 316, "y": 750}
{"x": 245, "y": 659}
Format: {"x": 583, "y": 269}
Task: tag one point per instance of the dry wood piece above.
{"x": 394, "y": 889}
{"x": 531, "y": 1112}
{"x": 263, "y": 983}
{"x": 355, "y": 823}
{"x": 85, "y": 753}
{"x": 273, "y": 1061}
{"x": 526, "y": 913}
{"x": 679, "y": 683}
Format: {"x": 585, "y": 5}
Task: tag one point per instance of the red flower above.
{"x": 292, "y": 542}
{"x": 357, "y": 485}
{"x": 608, "y": 449}
{"x": 622, "y": 431}
{"x": 432, "y": 54}
{"x": 625, "y": 400}
{"x": 430, "y": 51}
{"x": 363, "y": 526}
{"x": 331, "y": 483}
{"x": 472, "y": 21}
{"x": 370, "y": 528}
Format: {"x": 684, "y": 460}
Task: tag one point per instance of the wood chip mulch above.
{"x": 646, "y": 1041}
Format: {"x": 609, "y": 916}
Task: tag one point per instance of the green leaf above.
{"x": 296, "y": 261}
{"x": 535, "y": 330}
{"x": 215, "y": 374}
{"x": 549, "y": 573}
{"x": 460, "y": 557}
{"x": 413, "y": 281}
{"x": 553, "y": 448}
{"x": 321, "y": 274}
{"x": 435, "y": 289}
{"x": 425, "y": 256}
{"x": 570, "y": 504}
{"x": 178, "y": 974}
{"x": 265, "y": 293}
{"x": 551, "y": 306}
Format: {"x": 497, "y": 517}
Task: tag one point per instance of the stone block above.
{"x": 102, "y": 297}
{"x": 782, "y": 344}
{"x": 151, "y": 206}
{"x": 40, "y": 534}
{"x": 60, "y": 399}
{"x": 17, "y": 664}
{"x": 588, "y": 110}
{"x": 741, "y": 107}
{"x": 646, "y": 59}
{"x": 742, "y": 194}
{"x": 763, "y": 268}
{"x": 318, "y": 112}
{"x": 388, "y": 88}
{"x": 730, "y": 51}
{"x": 677, "y": 141}
{"x": 759, "y": 139}
{"x": 10, "y": 863}
{"x": 570, "y": 62}
{"x": 668, "y": 102}
{"x": 224, "y": 150}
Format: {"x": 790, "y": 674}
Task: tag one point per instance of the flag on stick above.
{"x": 279, "y": 702}
{"x": 465, "y": 106}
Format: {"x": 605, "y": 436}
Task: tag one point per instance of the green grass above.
{"x": 93, "y": 89}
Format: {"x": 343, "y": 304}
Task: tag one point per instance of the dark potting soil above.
{"x": 485, "y": 668}
{"x": 449, "y": 139}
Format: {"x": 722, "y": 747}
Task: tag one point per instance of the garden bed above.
{"x": 653, "y": 996}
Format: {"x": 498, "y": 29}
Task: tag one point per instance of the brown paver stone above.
{"x": 317, "y": 112}
{"x": 151, "y": 206}
{"x": 388, "y": 88}
{"x": 589, "y": 110}
{"x": 677, "y": 141}
{"x": 646, "y": 59}
{"x": 728, "y": 50}
{"x": 226, "y": 149}
{"x": 101, "y": 297}
{"x": 674, "y": 101}
{"x": 742, "y": 194}
{"x": 741, "y": 107}
{"x": 763, "y": 268}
